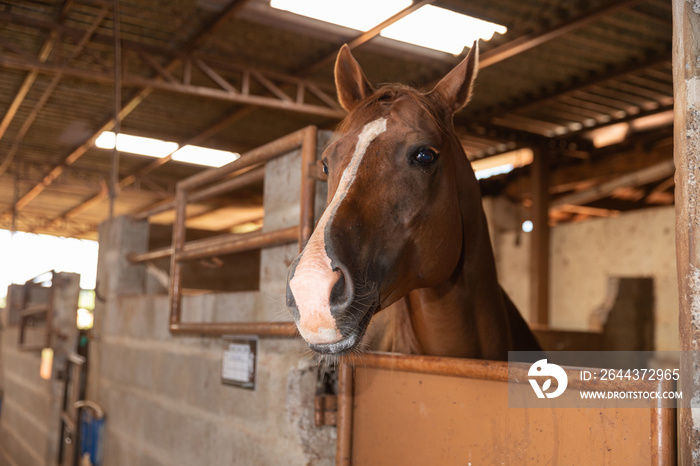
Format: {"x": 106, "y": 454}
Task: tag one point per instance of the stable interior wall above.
{"x": 584, "y": 256}
{"x": 165, "y": 402}
{"x": 30, "y": 416}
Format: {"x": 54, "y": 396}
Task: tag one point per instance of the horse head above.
{"x": 398, "y": 180}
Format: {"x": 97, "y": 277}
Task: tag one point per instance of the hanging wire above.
{"x": 15, "y": 198}
{"x": 114, "y": 178}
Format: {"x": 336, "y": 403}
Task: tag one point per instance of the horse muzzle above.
{"x": 323, "y": 301}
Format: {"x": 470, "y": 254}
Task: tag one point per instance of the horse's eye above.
{"x": 425, "y": 156}
{"x": 325, "y": 167}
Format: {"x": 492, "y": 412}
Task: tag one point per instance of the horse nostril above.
{"x": 343, "y": 291}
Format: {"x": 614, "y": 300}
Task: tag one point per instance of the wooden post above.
{"x": 539, "y": 248}
{"x": 686, "y": 80}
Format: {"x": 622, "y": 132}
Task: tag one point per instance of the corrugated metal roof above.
{"x": 562, "y": 69}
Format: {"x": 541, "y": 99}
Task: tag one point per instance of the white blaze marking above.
{"x": 314, "y": 276}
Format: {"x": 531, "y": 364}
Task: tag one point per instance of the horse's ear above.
{"x": 455, "y": 89}
{"x": 350, "y": 81}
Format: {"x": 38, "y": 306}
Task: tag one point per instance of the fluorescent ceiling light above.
{"x": 609, "y": 135}
{"x": 136, "y": 144}
{"x": 356, "y": 14}
{"x": 157, "y": 148}
{"x": 440, "y": 29}
{"x": 493, "y": 171}
{"x": 429, "y": 26}
{"x": 204, "y": 156}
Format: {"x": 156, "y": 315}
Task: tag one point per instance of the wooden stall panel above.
{"x": 418, "y": 419}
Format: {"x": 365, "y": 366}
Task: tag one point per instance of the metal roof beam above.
{"x": 224, "y": 91}
{"x": 525, "y": 43}
{"x": 233, "y": 8}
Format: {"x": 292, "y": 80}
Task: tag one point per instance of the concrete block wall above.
{"x": 163, "y": 395}
{"x": 166, "y": 404}
{"x": 28, "y": 420}
{"x": 31, "y": 406}
{"x": 585, "y": 255}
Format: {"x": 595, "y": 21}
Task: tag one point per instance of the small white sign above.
{"x": 238, "y": 362}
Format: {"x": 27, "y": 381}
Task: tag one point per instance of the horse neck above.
{"x": 466, "y": 315}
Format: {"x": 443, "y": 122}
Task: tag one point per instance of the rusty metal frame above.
{"x": 31, "y": 311}
{"x": 247, "y": 169}
{"x": 73, "y": 391}
{"x": 663, "y": 439}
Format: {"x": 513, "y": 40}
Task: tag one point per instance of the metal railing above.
{"x": 36, "y": 317}
{"x": 248, "y": 169}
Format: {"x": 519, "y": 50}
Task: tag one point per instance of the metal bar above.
{"x": 165, "y": 74}
{"x": 523, "y": 44}
{"x": 253, "y": 176}
{"x": 271, "y": 87}
{"x": 178, "y": 243}
{"x": 664, "y": 436}
{"x": 322, "y": 96}
{"x": 343, "y": 454}
{"x": 24, "y": 88}
{"x": 44, "y": 53}
{"x": 182, "y": 251}
{"x": 499, "y": 371}
{"x": 187, "y": 70}
{"x": 265, "y": 329}
{"x": 241, "y": 242}
{"x": 231, "y": 9}
{"x": 254, "y": 157}
{"x": 216, "y": 77}
{"x": 365, "y": 36}
{"x": 231, "y": 244}
{"x": 308, "y": 186}
{"x": 34, "y": 309}
{"x": 438, "y": 365}
{"x": 585, "y": 210}
{"x": 77, "y": 210}
{"x": 638, "y": 178}
{"x": 686, "y": 49}
{"x": 151, "y": 255}
{"x": 50, "y": 309}
{"x": 46, "y": 94}
{"x": 175, "y": 87}
{"x": 113, "y": 188}
{"x": 539, "y": 249}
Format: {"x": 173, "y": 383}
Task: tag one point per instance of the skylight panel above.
{"x": 136, "y": 144}
{"x": 204, "y": 156}
{"x": 429, "y": 26}
{"x": 356, "y": 14}
{"x": 158, "y": 148}
{"x": 440, "y": 29}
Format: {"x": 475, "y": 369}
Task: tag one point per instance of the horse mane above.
{"x": 384, "y": 98}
